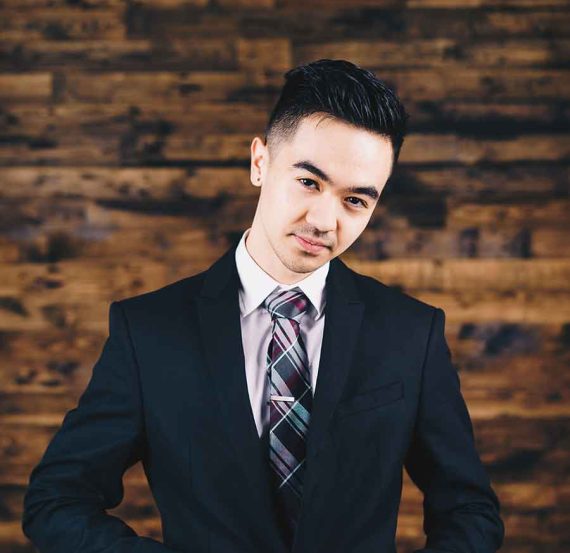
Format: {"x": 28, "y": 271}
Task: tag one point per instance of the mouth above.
{"x": 309, "y": 246}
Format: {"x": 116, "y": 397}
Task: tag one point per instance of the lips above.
{"x": 310, "y": 241}
{"x": 310, "y": 247}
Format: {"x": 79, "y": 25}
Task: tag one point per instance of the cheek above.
{"x": 352, "y": 228}
{"x": 280, "y": 206}
{"x": 277, "y": 193}
{"x": 272, "y": 199}
{"x": 287, "y": 199}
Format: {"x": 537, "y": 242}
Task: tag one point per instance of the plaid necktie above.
{"x": 290, "y": 403}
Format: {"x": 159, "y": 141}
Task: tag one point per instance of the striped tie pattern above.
{"x": 290, "y": 403}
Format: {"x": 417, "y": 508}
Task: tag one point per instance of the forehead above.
{"x": 342, "y": 150}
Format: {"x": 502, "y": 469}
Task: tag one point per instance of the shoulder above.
{"x": 406, "y": 320}
{"x": 166, "y": 300}
{"x": 392, "y": 300}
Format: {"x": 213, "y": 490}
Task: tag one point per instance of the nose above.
{"x": 322, "y": 215}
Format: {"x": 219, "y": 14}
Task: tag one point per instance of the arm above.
{"x": 461, "y": 510}
{"x": 80, "y": 474}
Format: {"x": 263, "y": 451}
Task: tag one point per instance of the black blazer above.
{"x": 169, "y": 389}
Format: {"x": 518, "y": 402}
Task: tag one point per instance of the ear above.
{"x": 259, "y": 157}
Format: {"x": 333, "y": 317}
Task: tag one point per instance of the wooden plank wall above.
{"x": 124, "y": 153}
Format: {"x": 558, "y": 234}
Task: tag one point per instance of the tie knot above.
{"x": 286, "y": 303}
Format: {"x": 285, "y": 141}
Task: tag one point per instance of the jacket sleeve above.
{"x": 81, "y": 472}
{"x": 461, "y": 510}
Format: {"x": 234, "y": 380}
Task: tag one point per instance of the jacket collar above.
{"x": 256, "y": 284}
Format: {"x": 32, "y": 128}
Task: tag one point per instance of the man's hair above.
{"x": 341, "y": 90}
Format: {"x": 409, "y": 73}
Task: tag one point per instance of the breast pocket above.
{"x": 371, "y": 399}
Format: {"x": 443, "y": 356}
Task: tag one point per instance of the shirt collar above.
{"x": 256, "y": 284}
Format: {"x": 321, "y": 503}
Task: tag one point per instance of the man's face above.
{"x": 305, "y": 194}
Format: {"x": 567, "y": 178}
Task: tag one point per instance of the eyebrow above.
{"x": 369, "y": 191}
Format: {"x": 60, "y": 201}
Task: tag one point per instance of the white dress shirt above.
{"x": 256, "y": 325}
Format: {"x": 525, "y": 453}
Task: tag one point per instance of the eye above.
{"x": 308, "y": 180}
{"x": 311, "y": 181}
{"x": 361, "y": 201}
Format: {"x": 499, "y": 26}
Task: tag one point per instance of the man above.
{"x": 274, "y": 398}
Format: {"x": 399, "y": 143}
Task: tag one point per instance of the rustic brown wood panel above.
{"x": 124, "y": 152}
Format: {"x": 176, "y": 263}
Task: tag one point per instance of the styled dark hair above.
{"x": 339, "y": 89}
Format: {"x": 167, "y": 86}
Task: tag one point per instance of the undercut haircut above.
{"x": 337, "y": 89}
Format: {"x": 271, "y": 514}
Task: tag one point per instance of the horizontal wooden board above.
{"x": 113, "y": 52}
{"x": 137, "y": 87}
{"x": 440, "y": 53}
{"x": 61, "y": 23}
{"x": 339, "y": 20}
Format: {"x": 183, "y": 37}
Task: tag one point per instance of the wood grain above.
{"x": 124, "y": 165}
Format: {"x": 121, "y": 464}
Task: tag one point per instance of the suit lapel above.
{"x": 219, "y": 315}
{"x": 343, "y": 317}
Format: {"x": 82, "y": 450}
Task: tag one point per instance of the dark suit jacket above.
{"x": 169, "y": 389}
